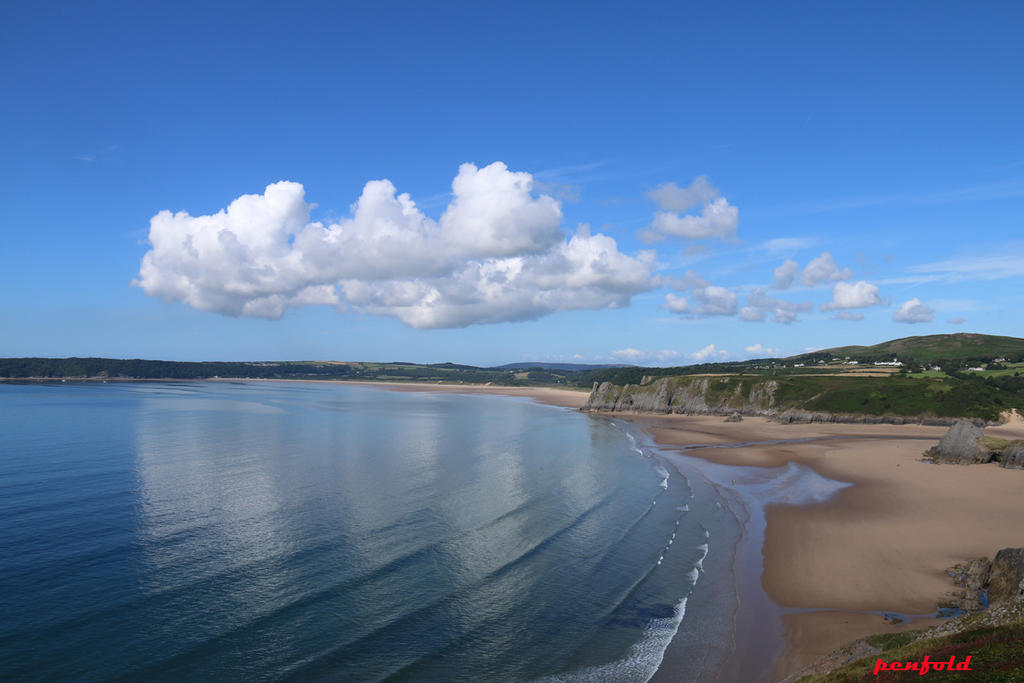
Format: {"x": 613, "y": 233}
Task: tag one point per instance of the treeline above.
{"x": 159, "y": 369}
{"x": 102, "y": 368}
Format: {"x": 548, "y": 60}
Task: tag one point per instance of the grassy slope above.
{"x": 934, "y": 347}
{"x": 996, "y": 651}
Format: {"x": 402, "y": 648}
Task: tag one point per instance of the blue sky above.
{"x": 663, "y": 183}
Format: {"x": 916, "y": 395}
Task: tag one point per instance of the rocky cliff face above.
{"x": 726, "y": 396}
{"x": 687, "y": 395}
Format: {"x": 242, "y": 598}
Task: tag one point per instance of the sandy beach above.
{"x": 565, "y": 398}
{"x": 881, "y": 545}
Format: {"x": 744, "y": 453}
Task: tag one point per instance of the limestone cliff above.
{"x": 690, "y": 395}
{"x": 726, "y": 396}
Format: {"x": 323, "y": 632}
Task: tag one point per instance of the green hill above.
{"x": 963, "y": 346}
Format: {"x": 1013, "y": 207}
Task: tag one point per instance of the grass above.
{"x": 936, "y": 347}
{"x": 997, "y": 656}
{"x": 896, "y": 395}
{"x": 994, "y": 443}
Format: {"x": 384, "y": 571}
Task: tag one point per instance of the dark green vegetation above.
{"x": 901, "y": 395}
{"x": 823, "y": 381}
{"x": 997, "y": 654}
{"x": 102, "y": 368}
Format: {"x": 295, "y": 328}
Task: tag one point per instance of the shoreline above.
{"x": 830, "y": 571}
{"x": 880, "y": 545}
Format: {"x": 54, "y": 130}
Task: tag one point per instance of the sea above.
{"x": 324, "y": 531}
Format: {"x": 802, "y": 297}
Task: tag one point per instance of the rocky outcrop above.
{"x": 1012, "y": 456}
{"x": 972, "y": 578}
{"x": 735, "y": 417}
{"x": 1007, "y": 581}
{"x": 802, "y": 416}
{"x": 962, "y": 445}
{"x": 688, "y": 396}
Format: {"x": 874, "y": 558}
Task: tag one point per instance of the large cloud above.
{"x": 497, "y": 254}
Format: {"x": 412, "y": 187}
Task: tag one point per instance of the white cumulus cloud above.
{"x": 709, "y": 354}
{"x": 717, "y": 218}
{"x": 671, "y": 197}
{"x": 497, "y": 253}
{"x": 676, "y": 304}
{"x": 824, "y": 269}
{"x": 759, "y": 351}
{"x": 857, "y": 295}
{"x": 913, "y": 311}
{"x": 715, "y": 300}
{"x": 785, "y": 274}
{"x": 759, "y": 304}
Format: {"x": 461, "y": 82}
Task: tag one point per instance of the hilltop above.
{"x": 936, "y": 347}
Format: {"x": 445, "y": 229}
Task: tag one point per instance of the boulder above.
{"x": 1006, "y": 583}
{"x": 962, "y": 445}
{"x": 735, "y": 417}
{"x": 1012, "y": 456}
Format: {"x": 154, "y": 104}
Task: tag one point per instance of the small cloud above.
{"x": 858, "y": 295}
{"x": 752, "y": 314}
{"x": 629, "y": 354}
{"x": 715, "y": 300}
{"x": 913, "y": 311}
{"x": 758, "y": 351}
{"x": 676, "y": 304}
{"x": 717, "y": 219}
{"x": 846, "y": 315}
{"x": 785, "y": 274}
{"x": 759, "y": 303}
{"x": 956, "y": 321}
{"x": 824, "y": 269}
{"x": 671, "y": 197}
{"x": 709, "y": 354}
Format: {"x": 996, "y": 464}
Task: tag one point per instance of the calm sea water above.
{"x": 328, "y": 532}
